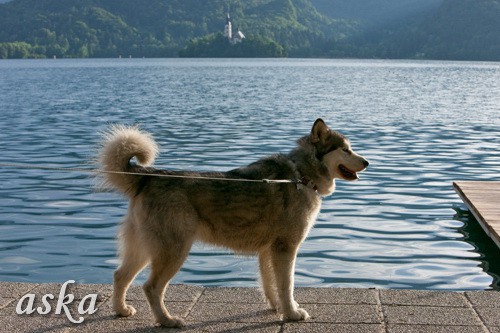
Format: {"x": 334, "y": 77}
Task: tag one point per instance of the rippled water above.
{"x": 422, "y": 125}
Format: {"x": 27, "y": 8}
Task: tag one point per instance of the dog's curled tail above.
{"x": 120, "y": 144}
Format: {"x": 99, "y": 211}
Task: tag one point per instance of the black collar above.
{"x": 306, "y": 182}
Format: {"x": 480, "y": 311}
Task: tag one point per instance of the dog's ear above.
{"x": 320, "y": 132}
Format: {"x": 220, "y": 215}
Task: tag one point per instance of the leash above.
{"x": 99, "y": 171}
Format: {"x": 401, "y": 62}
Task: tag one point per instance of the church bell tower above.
{"x": 228, "y": 29}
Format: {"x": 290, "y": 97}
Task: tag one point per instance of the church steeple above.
{"x": 228, "y": 29}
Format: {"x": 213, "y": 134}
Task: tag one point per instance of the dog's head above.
{"x": 334, "y": 150}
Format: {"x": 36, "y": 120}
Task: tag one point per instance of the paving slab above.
{"x": 490, "y": 316}
{"x": 213, "y": 309}
{"x": 4, "y": 302}
{"x": 114, "y": 325}
{"x": 487, "y": 298}
{"x": 182, "y": 293}
{"x": 232, "y": 312}
{"x": 232, "y": 295}
{"x": 16, "y": 289}
{"x": 12, "y": 324}
{"x": 265, "y": 327}
{"x": 336, "y": 296}
{"x": 342, "y": 313}
{"x": 419, "y": 315}
{"x": 337, "y": 328}
{"x": 178, "y": 309}
{"x": 434, "y": 329}
{"x": 423, "y": 298}
{"x": 103, "y": 291}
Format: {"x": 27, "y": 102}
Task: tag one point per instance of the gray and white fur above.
{"x": 166, "y": 215}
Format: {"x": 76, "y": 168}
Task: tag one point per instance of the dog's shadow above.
{"x": 248, "y": 322}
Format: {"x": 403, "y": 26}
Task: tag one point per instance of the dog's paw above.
{"x": 174, "y": 322}
{"x": 273, "y": 305}
{"x": 126, "y": 311}
{"x": 296, "y": 315}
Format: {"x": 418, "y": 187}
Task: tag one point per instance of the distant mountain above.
{"x": 427, "y": 29}
{"x": 434, "y": 29}
{"x": 462, "y": 29}
{"x": 374, "y": 12}
{"x": 457, "y": 29}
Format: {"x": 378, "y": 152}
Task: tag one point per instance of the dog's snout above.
{"x": 366, "y": 163}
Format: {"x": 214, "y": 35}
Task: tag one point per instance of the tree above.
{"x": 217, "y": 46}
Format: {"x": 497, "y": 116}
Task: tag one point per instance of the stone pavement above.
{"x": 208, "y": 309}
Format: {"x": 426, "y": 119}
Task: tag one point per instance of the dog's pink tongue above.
{"x": 348, "y": 174}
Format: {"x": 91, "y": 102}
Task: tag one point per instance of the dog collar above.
{"x": 306, "y": 182}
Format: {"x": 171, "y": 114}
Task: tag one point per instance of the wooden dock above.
{"x": 483, "y": 200}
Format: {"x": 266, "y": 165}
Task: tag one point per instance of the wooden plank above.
{"x": 483, "y": 200}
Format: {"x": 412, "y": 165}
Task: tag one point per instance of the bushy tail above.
{"x": 120, "y": 144}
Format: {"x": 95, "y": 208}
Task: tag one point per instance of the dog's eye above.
{"x": 346, "y": 150}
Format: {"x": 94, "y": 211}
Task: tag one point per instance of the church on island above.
{"x": 228, "y": 33}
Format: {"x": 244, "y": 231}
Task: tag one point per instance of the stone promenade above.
{"x": 243, "y": 310}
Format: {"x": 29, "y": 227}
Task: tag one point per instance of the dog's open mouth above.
{"x": 347, "y": 174}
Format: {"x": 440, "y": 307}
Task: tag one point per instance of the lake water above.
{"x": 421, "y": 124}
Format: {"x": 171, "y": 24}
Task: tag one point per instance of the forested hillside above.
{"x": 374, "y": 13}
{"x": 435, "y": 29}
{"x": 153, "y": 28}
{"x": 457, "y": 30}
{"x": 462, "y": 29}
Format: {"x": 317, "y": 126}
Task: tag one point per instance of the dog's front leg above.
{"x": 283, "y": 258}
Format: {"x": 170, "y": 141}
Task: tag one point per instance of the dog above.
{"x": 169, "y": 210}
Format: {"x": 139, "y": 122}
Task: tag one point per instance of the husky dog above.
{"x": 167, "y": 212}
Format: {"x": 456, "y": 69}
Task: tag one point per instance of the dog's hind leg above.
{"x": 283, "y": 258}
{"x": 268, "y": 279}
{"x": 163, "y": 267}
{"x": 133, "y": 261}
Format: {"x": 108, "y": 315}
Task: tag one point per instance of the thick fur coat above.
{"x": 167, "y": 213}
